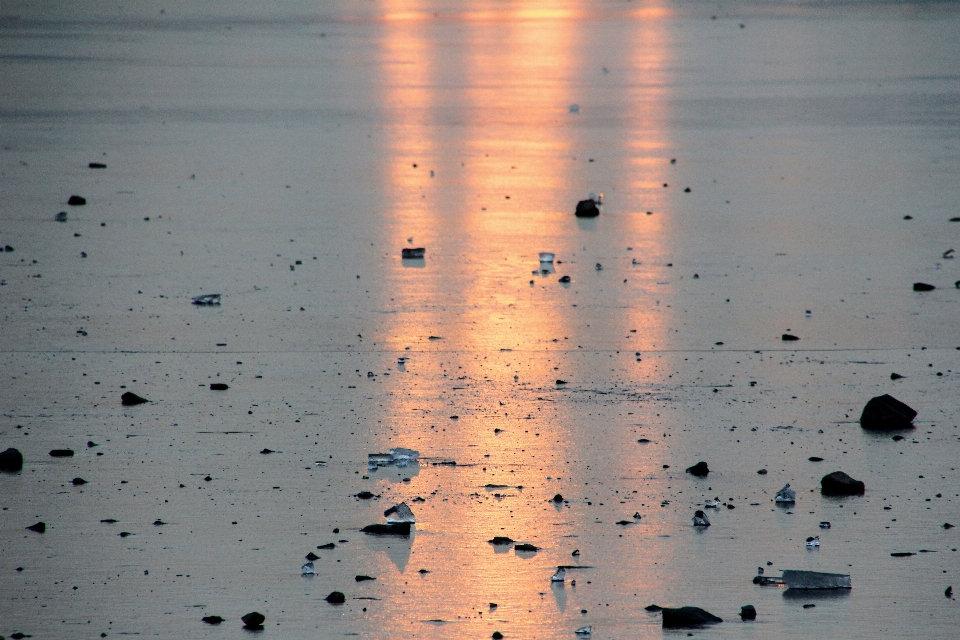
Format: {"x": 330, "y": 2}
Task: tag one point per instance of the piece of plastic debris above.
{"x": 414, "y": 253}
{"x": 813, "y": 541}
{"x": 786, "y": 495}
{"x": 574, "y": 108}
{"x": 307, "y": 569}
{"x": 399, "y": 513}
{"x": 218, "y": 386}
{"x": 948, "y": 254}
{"x": 399, "y": 456}
{"x": 559, "y": 576}
{"x": 700, "y": 519}
{"x": 207, "y": 299}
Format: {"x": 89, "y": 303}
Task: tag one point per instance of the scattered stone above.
{"x": 947, "y": 525}
{"x": 564, "y": 279}
{"x": 110, "y": 520}
{"x": 497, "y": 635}
{"x": 253, "y": 620}
{"x": 558, "y": 498}
{"x": 748, "y": 612}
{"x": 653, "y": 608}
{"x": 417, "y": 252}
{"x": 700, "y": 469}
{"x": 329, "y": 545}
{"x": 809, "y": 606}
{"x": 825, "y": 524}
{"x": 61, "y": 453}
{"x": 762, "y": 472}
{"x": 364, "y": 495}
{"x": 624, "y": 522}
{"x": 218, "y": 386}
{"x": 212, "y": 619}
{"x": 266, "y": 451}
{"x": 124, "y": 534}
{"x": 788, "y": 337}
{"x": 399, "y": 529}
{"x": 840, "y": 484}
{"x": 560, "y": 575}
{"x": 364, "y": 578}
{"x": 78, "y": 481}
{"x": 895, "y": 376}
{"x": 498, "y": 540}
{"x": 76, "y": 201}
{"x": 91, "y": 444}
{"x": 786, "y": 495}
{"x": 61, "y": 216}
{"x": 923, "y": 286}
{"x": 587, "y": 209}
{"x": 336, "y": 597}
{"x": 312, "y": 556}
{"x": 128, "y": 399}
{"x": 948, "y": 592}
{"x": 897, "y": 438}
{"x": 11, "y": 460}
{"x": 206, "y": 300}
{"x": 559, "y": 382}
{"x": 97, "y": 165}
{"x": 525, "y": 546}
{"x": 687, "y": 617}
{"x": 902, "y": 554}
{"x": 40, "y": 527}
{"x": 886, "y": 412}
{"x": 700, "y": 519}
{"x": 815, "y": 459}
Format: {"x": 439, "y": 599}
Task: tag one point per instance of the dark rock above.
{"x": 902, "y": 554}
{"x": 558, "y": 498}
{"x": 124, "y": 534}
{"x": 91, "y": 444}
{"x": 397, "y": 529}
{"x": 329, "y": 545}
{"x": 897, "y": 438}
{"x": 364, "y": 495}
{"x": 525, "y": 546}
{"x": 78, "y": 481}
{"x": 809, "y": 606}
{"x": 129, "y": 399}
{"x": 266, "y": 451}
{"x": 686, "y": 617}
{"x": 364, "y": 578}
{"x": 895, "y": 376}
{"x": 653, "y": 608}
{"x": 336, "y": 597}
{"x": 564, "y": 279}
{"x": 947, "y": 525}
{"x": 8, "y": 249}
{"x": 61, "y": 453}
{"x": 561, "y": 381}
{"x": 840, "y": 484}
{"x": 500, "y": 540}
{"x": 687, "y": 190}
{"x": 948, "y": 592}
{"x": 886, "y": 412}
{"x": 110, "y": 520}
{"x": 748, "y": 612}
{"x": 11, "y": 460}
{"x": 815, "y": 459}
{"x": 212, "y": 619}
{"x": 497, "y": 635}
{"x": 158, "y": 522}
{"x": 97, "y": 165}
{"x": 253, "y": 619}
{"x": 61, "y": 216}
{"x": 76, "y": 201}
{"x": 19, "y": 635}
{"x": 762, "y": 472}
{"x": 700, "y": 469}
{"x": 417, "y": 252}
{"x": 788, "y": 337}
{"x": 923, "y": 286}
{"x": 40, "y": 527}
{"x": 587, "y": 209}
{"x": 624, "y": 522}
{"x": 312, "y": 556}
{"x": 207, "y": 479}
{"x": 218, "y": 386}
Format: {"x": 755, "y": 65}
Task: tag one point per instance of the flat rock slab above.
{"x": 687, "y": 617}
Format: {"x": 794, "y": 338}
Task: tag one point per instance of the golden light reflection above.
{"x": 488, "y": 113}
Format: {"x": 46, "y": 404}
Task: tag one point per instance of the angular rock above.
{"x": 212, "y": 619}
{"x": 923, "y": 286}
{"x": 748, "y": 612}
{"x": 78, "y": 481}
{"x": 840, "y": 484}
{"x": 653, "y": 608}
{"x": 312, "y": 556}
{"x": 558, "y": 498}
{"x": 399, "y": 529}
{"x": 77, "y": 201}
{"x": 364, "y": 495}
{"x": 364, "y": 578}
{"x": 587, "y": 209}
{"x": 498, "y": 540}
{"x": 61, "y": 453}
{"x": 129, "y": 399}
{"x": 40, "y": 527}
{"x": 336, "y": 597}
{"x": 253, "y": 619}
{"x": 700, "y": 469}
{"x": 886, "y": 412}
{"x": 218, "y": 386}
{"x": 11, "y": 460}
{"x": 687, "y": 617}
{"x": 789, "y": 338}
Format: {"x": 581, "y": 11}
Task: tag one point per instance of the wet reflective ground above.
{"x": 283, "y": 157}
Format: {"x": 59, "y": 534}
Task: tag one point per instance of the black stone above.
{"x": 686, "y": 617}
{"x": 500, "y": 540}
{"x": 40, "y": 527}
{"x": 748, "y": 612}
{"x": 497, "y": 635}
{"x": 398, "y": 529}
{"x": 124, "y": 534}
{"x": 788, "y": 337}
{"x": 78, "y": 481}
{"x": 329, "y": 545}
{"x": 564, "y": 279}
{"x": 700, "y": 469}
{"x": 364, "y": 495}
{"x": 99, "y": 165}
{"x": 815, "y": 459}
{"x": 653, "y": 608}
{"x": 886, "y": 412}
{"x": 762, "y": 472}
{"x": 840, "y": 484}
{"x": 587, "y": 209}
{"x": 218, "y": 386}
{"x": 923, "y": 286}
{"x": 91, "y": 444}
{"x": 253, "y": 619}
{"x": 897, "y": 438}
{"x": 902, "y": 554}
{"x": 558, "y": 498}
{"x": 312, "y": 556}
{"x": 336, "y": 597}
{"x": 947, "y": 525}
{"x": 129, "y": 399}
{"x": 11, "y": 460}
{"x": 212, "y": 619}
{"x": 948, "y": 592}
{"x": 61, "y": 453}
{"x": 525, "y": 546}
{"x": 412, "y": 254}
{"x": 895, "y": 376}
{"x": 364, "y": 578}
{"x": 76, "y": 201}
{"x": 266, "y": 451}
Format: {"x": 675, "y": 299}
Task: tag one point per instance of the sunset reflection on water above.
{"x": 483, "y": 161}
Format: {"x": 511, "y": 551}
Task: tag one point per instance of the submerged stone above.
{"x": 686, "y": 617}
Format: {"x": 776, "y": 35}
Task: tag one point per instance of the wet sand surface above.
{"x": 283, "y": 157}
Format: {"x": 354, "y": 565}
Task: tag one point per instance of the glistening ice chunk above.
{"x": 307, "y": 569}
{"x": 786, "y": 495}
{"x": 207, "y": 299}
{"x": 559, "y": 576}
{"x": 399, "y": 513}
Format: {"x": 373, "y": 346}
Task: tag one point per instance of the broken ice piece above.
{"x": 700, "y": 519}
{"x": 403, "y": 456}
{"x": 546, "y": 256}
{"x": 813, "y": 541}
{"x": 375, "y": 460}
{"x": 399, "y": 513}
{"x": 786, "y": 495}
{"x": 824, "y": 525}
{"x": 712, "y": 504}
{"x": 207, "y": 299}
{"x": 413, "y": 253}
{"x": 559, "y": 576}
{"x": 307, "y": 569}
{"x": 584, "y": 632}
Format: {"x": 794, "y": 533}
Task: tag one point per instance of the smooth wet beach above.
{"x": 766, "y": 169}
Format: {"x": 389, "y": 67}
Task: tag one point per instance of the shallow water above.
{"x": 336, "y": 136}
